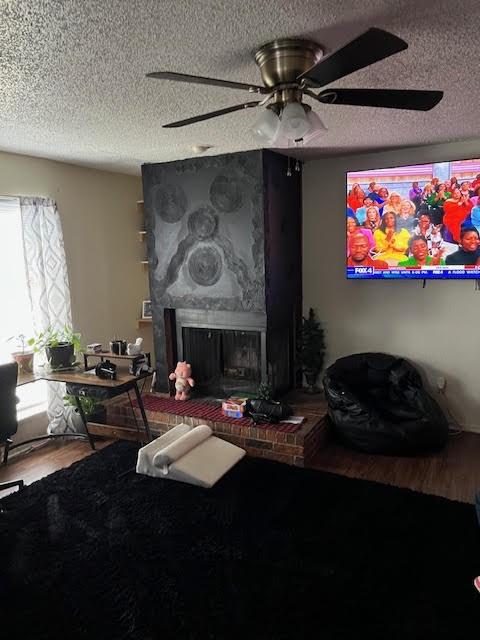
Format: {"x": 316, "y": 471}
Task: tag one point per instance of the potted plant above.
{"x": 23, "y": 356}
{"x": 93, "y": 409}
{"x": 60, "y": 346}
{"x": 264, "y": 391}
{"x": 311, "y": 350}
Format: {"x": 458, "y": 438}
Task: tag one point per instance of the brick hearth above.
{"x": 292, "y": 448}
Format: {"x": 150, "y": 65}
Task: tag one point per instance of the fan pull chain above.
{"x": 298, "y": 145}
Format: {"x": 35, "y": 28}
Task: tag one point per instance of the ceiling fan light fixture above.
{"x": 294, "y": 122}
{"x": 267, "y": 125}
{"x": 316, "y": 123}
{"x": 292, "y": 68}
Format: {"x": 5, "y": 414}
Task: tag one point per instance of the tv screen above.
{"x": 417, "y": 221}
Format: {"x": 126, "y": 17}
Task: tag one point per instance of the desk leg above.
{"x": 84, "y": 420}
{"x": 142, "y": 410}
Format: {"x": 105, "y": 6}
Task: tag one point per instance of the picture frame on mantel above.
{"x": 146, "y": 309}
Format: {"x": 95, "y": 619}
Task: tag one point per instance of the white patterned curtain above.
{"x": 47, "y": 281}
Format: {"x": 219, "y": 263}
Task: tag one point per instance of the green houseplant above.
{"x": 264, "y": 391}
{"x": 311, "y": 350}
{"x": 93, "y": 409}
{"x": 60, "y": 346}
{"x": 22, "y": 356}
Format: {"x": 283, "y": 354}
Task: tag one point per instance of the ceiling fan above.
{"x": 291, "y": 69}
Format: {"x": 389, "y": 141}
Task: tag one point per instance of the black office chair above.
{"x": 8, "y": 414}
{"x": 8, "y": 405}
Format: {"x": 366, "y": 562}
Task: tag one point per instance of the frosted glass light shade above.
{"x": 267, "y": 125}
{"x": 294, "y": 123}
{"x": 316, "y": 124}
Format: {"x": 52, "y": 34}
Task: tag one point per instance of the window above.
{"x": 16, "y": 315}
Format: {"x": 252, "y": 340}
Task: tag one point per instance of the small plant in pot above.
{"x": 311, "y": 350}
{"x": 93, "y": 409}
{"x": 60, "y": 346}
{"x": 22, "y": 356}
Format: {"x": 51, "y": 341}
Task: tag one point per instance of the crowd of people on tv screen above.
{"x": 438, "y": 224}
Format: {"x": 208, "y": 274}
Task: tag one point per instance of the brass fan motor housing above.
{"x": 282, "y": 61}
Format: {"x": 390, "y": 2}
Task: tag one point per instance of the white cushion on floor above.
{"x": 190, "y": 455}
{"x": 146, "y": 454}
{"x": 181, "y": 445}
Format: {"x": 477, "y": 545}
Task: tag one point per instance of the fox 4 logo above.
{"x": 364, "y": 270}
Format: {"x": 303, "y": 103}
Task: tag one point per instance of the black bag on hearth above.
{"x": 260, "y": 410}
{"x": 378, "y": 404}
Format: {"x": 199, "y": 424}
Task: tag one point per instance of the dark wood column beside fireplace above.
{"x": 224, "y": 252}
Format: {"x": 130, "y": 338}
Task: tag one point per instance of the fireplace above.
{"x": 228, "y": 358}
{"x": 226, "y": 361}
{"x": 224, "y": 252}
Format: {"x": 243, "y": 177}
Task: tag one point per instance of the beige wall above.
{"x": 100, "y": 224}
{"x": 435, "y": 327}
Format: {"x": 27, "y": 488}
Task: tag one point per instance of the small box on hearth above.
{"x": 234, "y": 407}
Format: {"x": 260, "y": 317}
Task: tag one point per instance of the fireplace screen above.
{"x": 225, "y": 362}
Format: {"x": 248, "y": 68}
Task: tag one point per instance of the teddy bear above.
{"x": 183, "y": 380}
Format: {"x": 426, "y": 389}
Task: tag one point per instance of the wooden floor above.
{"x": 453, "y": 473}
{"x": 50, "y": 457}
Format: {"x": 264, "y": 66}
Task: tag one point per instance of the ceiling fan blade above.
{"x": 386, "y": 98}
{"x": 212, "y": 114}
{"x": 372, "y": 46}
{"x": 183, "y": 77}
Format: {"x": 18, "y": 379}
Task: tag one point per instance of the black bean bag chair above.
{"x": 377, "y": 404}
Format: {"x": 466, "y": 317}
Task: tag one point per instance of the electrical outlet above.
{"x": 441, "y": 383}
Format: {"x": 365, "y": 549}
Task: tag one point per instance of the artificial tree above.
{"x": 311, "y": 350}
{"x": 264, "y": 391}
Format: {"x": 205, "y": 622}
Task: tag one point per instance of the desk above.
{"x": 86, "y": 383}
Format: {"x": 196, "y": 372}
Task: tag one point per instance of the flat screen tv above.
{"x": 417, "y": 221}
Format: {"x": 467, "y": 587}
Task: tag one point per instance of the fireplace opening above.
{"x": 225, "y": 362}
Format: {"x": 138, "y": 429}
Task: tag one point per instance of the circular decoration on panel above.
{"x": 226, "y": 193}
{"x": 169, "y": 201}
{"x": 203, "y": 222}
{"x": 205, "y": 266}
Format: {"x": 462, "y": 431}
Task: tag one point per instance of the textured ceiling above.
{"x": 73, "y": 86}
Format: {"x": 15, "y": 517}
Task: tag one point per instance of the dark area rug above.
{"x": 271, "y": 551}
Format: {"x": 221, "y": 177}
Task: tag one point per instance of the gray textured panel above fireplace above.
{"x": 205, "y": 224}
